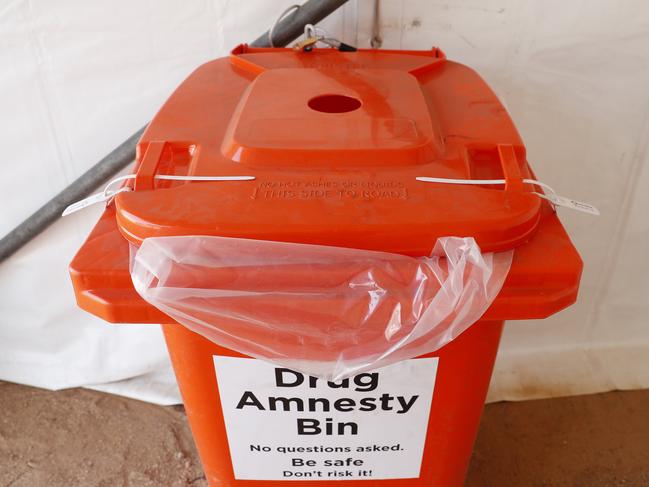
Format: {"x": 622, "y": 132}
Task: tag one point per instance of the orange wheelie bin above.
{"x": 367, "y": 153}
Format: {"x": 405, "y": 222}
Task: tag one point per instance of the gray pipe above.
{"x": 292, "y": 26}
{"x": 81, "y": 187}
{"x": 287, "y": 30}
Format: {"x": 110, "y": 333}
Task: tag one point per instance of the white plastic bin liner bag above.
{"x": 329, "y": 312}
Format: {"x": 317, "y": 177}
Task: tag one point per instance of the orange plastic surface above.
{"x": 335, "y": 141}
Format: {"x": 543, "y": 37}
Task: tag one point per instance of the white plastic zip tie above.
{"x": 107, "y": 193}
{"x": 550, "y": 194}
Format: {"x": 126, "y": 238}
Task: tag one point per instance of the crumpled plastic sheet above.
{"x": 330, "y": 312}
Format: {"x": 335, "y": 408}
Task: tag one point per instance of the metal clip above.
{"x": 307, "y": 44}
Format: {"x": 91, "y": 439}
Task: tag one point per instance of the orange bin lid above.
{"x": 335, "y": 142}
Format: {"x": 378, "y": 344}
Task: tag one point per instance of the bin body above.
{"x": 463, "y": 374}
{"x": 334, "y": 143}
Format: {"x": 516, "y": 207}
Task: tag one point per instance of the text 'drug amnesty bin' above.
{"x": 284, "y": 425}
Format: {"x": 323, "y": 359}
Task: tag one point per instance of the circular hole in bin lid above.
{"x": 334, "y": 103}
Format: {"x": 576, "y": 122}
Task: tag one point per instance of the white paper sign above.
{"x": 282, "y": 425}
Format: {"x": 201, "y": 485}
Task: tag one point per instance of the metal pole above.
{"x": 51, "y": 211}
{"x": 286, "y": 30}
{"x": 292, "y": 26}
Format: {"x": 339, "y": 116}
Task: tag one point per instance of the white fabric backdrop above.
{"x": 575, "y": 77}
{"x": 79, "y": 77}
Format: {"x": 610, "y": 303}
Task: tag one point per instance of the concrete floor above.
{"x": 90, "y": 439}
